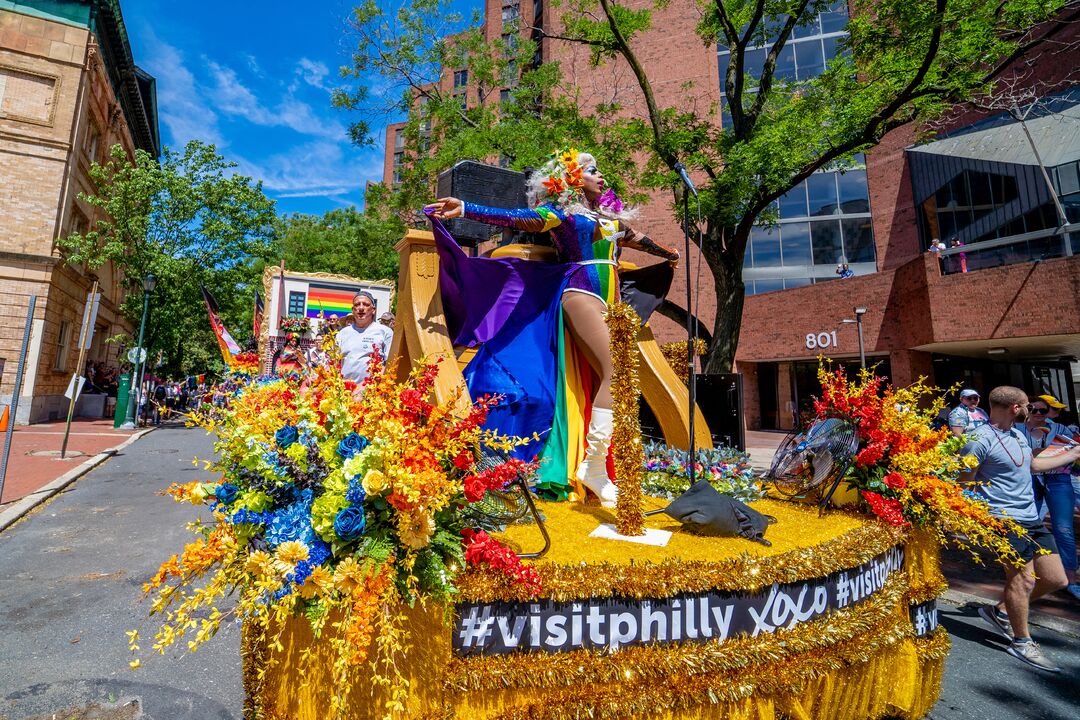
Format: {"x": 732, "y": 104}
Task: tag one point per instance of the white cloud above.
{"x": 232, "y": 97}
{"x": 182, "y": 107}
{"x": 312, "y": 72}
{"x": 316, "y": 169}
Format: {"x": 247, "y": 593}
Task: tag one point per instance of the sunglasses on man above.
{"x": 1037, "y": 410}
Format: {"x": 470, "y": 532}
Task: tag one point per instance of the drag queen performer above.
{"x": 588, "y": 227}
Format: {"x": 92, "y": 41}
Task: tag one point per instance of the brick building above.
{"x": 1000, "y": 310}
{"x": 69, "y": 90}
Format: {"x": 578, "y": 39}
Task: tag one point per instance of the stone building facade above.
{"x": 69, "y": 91}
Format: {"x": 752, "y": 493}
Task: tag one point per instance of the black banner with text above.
{"x": 612, "y": 623}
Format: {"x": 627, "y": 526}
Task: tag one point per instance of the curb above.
{"x": 23, "y": 505}
{"x": 1057, "y": 624}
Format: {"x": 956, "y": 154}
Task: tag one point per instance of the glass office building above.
{"x": 825, "y": 220}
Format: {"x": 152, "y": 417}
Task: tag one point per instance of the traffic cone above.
{"x": 4, "y": 418}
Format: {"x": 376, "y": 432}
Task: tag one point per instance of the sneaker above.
{"x": 1074, "y": 590}
{"x": 1032, "y": 654}
{"x": 997, "y": 620}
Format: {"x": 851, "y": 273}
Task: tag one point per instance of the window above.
{"x": 511, "y": 13}
{"x": 858, "y": 240}
{"x": 93, "y": 141}
{"x": 297, "y": 304}
{"x": 504, "y": 96}
{"x": 765, "y": 246}
{"x": 27, "y": 96}
{"x": 795, "y": 244}
{"x": 399, "y": 140}
{"x": 461, "y": 78}
{"x": 63, "y": 340}
{"x": 825, "y": 240}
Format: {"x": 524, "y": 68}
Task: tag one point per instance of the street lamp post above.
{"x": 859, "y": 312}
{"x": 136, "y": 375}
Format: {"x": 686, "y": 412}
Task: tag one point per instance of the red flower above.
{"x": 894, "y": 481}
{"x": 888, "y": 509}
{"x": 482, "y": 549}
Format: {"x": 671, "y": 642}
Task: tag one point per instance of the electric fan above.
{"x": 810, "y": 461}
{"x": 499, "y": 508}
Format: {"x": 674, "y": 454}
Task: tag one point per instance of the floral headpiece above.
{"x": 564, "y": 185}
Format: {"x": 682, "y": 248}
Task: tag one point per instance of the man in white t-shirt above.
{"x": 361, "y": 337}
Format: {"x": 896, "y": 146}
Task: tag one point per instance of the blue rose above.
{"x": 226, "y": 493}
{"x": 350, "y": 523}
{"x": 286, "y": 436}
{"x": 352, "y": 444}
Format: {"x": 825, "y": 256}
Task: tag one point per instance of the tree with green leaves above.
{"x": 343, "y": 241}
{"x": 904, "y": 61}
{"x": 189, "y": 220}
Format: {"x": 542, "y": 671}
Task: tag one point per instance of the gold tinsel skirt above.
{"x": 862, "y": 661}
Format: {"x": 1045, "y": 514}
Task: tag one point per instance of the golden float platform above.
{"x": 835, "y": 620}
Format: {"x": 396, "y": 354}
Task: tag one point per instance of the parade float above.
{"x": 352, "y": 536}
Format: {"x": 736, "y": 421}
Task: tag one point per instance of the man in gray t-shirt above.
{"x": 362, "y": 337}
{"x": 1004, "y": 479}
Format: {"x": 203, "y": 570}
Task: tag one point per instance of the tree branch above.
{"x": 643, "y": 83}
{"x": 1058, "y": 24}
{"x": 765, "y": 83}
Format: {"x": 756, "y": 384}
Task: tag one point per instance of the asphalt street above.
{"x": 73, "y": 572}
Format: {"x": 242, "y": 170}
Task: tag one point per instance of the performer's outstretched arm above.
{"x": 539, "y": 219}
{"x": 641, "y": 241}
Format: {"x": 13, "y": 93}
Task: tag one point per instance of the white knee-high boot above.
{"x": 592, "y": 472}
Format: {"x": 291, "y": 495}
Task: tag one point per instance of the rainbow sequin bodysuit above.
{"x": 588, "y": 241}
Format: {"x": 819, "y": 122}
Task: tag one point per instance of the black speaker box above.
{"x": 485, "y": 185}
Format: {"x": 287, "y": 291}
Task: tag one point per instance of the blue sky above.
{"x": 255, "y": 80}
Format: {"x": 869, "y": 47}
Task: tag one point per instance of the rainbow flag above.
{"x": 329, "y": 300}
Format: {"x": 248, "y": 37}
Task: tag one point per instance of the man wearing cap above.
{"x": 1003, "y": 479}
{"x": 362, "y": 337}
{"x": 967, "y": 416}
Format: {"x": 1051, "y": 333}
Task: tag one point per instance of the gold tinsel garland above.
{"x": 655, "y": 662}
{"x": 781, "y": 674}
{"x": 629, "y": 455}
{"x": 675, "y": 354}
{"x": 746, "y": 573}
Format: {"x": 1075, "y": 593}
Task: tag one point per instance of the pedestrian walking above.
{"x": 1003, "y": 478}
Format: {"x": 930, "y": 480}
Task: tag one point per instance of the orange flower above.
{"x": 554, "y": 185}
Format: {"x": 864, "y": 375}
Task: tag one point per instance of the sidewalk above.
{"x": 969, "y": 582}
{"x": 35, "y": 470}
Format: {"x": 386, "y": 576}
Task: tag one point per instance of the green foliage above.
{"x": 905, "y": 61}
{"x": 344, "y": 241}
{"x": 187, "y": 219}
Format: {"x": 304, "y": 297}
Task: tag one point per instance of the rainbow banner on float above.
{"x": 328, "y": 300}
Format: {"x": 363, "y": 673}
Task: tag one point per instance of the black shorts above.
{"x": 1037, "y": 537}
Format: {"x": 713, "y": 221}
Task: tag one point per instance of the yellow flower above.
{"x": 258, "y": 564}
{"x": 375, "y": 482}
{"x": 569, "y": 156}
{"x": 349, "y": 575}
{"x": 970, "y": 462}
{"x": 292, "y": 552}
{"x": 416, "y": 528}
{"x": 320, "y": 582}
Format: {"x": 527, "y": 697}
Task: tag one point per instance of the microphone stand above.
{"x": 691, "y": 334}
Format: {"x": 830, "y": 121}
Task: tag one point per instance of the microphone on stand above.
{"x": 681, "y": 169}
{"x": 691, "y": 329}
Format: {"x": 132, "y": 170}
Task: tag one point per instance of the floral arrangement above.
{"x": 337, "y": 504}
{"x": 245, "y": 363}
{"x": 906, "y": 471}
{"x": 675, "y": 354}
{"x": 297, "y": 325}
{"x": 667, "y": 472}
